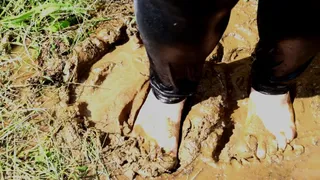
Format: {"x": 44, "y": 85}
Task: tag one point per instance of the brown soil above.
{"x": 111, "y": 71}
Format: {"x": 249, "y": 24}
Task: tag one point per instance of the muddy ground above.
{"x": 109, "y": 73}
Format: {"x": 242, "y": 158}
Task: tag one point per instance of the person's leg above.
{"x": 289, "y": 39}
{"x": 178, "y": 36}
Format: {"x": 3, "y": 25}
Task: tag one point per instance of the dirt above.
{"x": 110, "y": 71}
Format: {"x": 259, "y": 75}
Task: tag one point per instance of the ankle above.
{"x": 153, "y": 98}
{"x": 259, "y": 97}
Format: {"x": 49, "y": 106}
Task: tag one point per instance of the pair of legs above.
{"x": 179, "y": 35}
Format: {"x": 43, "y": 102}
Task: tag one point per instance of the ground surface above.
{"x": 85, "y": 116}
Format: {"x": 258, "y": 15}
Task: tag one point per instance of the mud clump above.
{"x": 110, "y": 98}
{"x": 124, "y": 155}
{"x": 114, "y": 91}
{"x": 94, "y": 48}
{"x": 204, "y": 123}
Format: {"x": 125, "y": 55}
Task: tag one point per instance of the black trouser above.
{"x": 180, "y": 34}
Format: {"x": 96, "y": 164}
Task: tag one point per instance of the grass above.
{"x": 30, "y": 22}
{"x": 30, "y": 144}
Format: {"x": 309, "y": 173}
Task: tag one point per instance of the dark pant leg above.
{"x": 289, "y": 39}
{"x": 178, "y": 36}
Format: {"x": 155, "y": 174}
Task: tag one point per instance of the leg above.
{"x": 178, "y": 35}
{"x": 289, "y": 38}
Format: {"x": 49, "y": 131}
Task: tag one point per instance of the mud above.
{"x": 216, "y": 139}
{"x": 112, "y": 95}
{"x": 110, "y": 73}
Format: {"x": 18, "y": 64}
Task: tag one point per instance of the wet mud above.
{"x": 110, "y": 71}
{"x": 216, "y": 139}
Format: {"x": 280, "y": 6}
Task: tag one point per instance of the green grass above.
{"x": 29, "y": 145}
{"x": 29, "y": 152}
{"x": 30, "y": 22}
